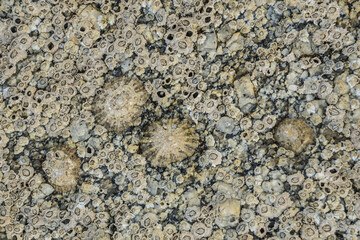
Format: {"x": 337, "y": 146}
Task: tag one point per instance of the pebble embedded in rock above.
{"x": 79, "y": 131}
{"x": 294, "y": 135}
{"x": 225, "y": 125}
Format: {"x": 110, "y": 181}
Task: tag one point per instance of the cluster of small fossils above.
{"x": 179, "y": 119}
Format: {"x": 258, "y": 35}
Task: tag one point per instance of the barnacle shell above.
{"x": 294, "y": 135}
{"x": 62, "y": 168}
{"x": 168, "y": 141}
{"x": 120, "y": 103}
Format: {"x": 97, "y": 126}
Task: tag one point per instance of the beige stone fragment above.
{"x": 294, "y": 135}
{"x": 245, "y": 91}
{"x": 228, "y": 213}
{"x": 231, "y": 207}
{"x": 90, "y": 14}
{"x": 235, "y": 43}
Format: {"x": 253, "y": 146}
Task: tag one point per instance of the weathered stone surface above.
{"x": 294, "y": 135}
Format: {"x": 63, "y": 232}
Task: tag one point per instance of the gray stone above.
{"x": 47, "y": 189}
{"x": 210, "y": 43}
{"x": 79, "y": 131}
{"x": 225, "y": 125}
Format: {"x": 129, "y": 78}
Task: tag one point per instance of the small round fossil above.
{"x": 294, "y": 135}
{"x": 168, "y": 141}
{"x": 120, "y": 103}
{"x": 62, "y": 168}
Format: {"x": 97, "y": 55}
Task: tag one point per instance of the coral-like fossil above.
{"x": 62, "y": 168}
{"x": 294, "y": 135}
{"x": 168, "y": 141}
{"x": 120, "y": 103}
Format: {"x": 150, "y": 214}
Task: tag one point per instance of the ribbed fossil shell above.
{"x": 120, "y": 103}
{"x": 62, "y": 168}
{"x": 168, "y": 141}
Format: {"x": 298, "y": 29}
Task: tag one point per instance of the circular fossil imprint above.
{"x": 120, "y": 103}
{"x": 169, "y": 140}
{"x": 62, "y": 168}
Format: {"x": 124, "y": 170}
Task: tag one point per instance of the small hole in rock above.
{"x": 50, "y": 46}
{"x": 161, "y": 94}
